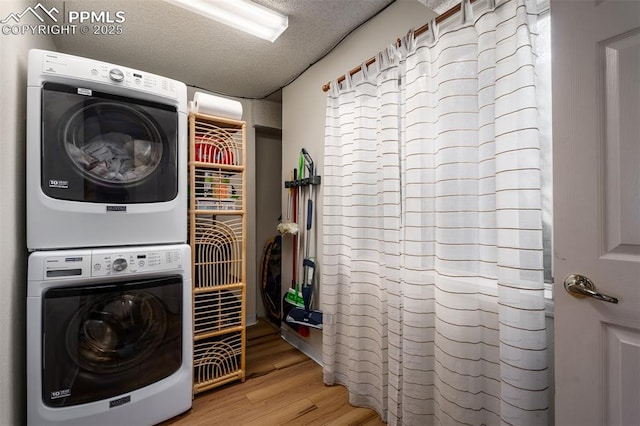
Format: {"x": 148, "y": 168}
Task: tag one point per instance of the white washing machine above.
{"x": 109, "y": 335}
{"x": 106, "y": 155}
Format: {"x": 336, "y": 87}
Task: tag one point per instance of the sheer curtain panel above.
{"x": 432, "y": 283}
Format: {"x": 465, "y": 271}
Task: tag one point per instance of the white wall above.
{"x": 13, "y": 253}
{"x": 303, "y": 113}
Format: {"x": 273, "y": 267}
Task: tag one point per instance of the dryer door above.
{"x": 104, "y": 340}
{"x": 98, "y": 147}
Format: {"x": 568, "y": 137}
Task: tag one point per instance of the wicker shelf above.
{"x": 217, "y": 229}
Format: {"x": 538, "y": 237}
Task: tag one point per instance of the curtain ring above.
{"x": 393, "y": 54}
{"x": 334, "y": 88}
{"x": 408, "y": 44}
{"x": 365, "y": 70}
{"x": 381, "y": 59}
{"x": 466, "y": 11}
{"x": 348, "y": 81}
{"x": 434, "y": 30}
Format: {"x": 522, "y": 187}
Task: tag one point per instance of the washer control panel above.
{"x": 104, "y": 263}
{"x": 82, "y": 264}
{"x": 66, "y": 266}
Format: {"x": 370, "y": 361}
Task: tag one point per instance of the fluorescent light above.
{"x": 244, "y": 15}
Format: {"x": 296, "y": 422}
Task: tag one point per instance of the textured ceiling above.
{"x": 164, "y": 39}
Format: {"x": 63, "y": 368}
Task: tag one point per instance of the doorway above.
{"x": 268, "y": 195}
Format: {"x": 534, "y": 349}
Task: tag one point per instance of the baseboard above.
{"x": 291, "y": 337}
{"x": 250, "y": 320}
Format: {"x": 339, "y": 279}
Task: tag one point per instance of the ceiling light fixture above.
{"x": 244, "y": 15}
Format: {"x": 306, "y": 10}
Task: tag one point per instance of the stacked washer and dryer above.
{"x": 109, "y": 320}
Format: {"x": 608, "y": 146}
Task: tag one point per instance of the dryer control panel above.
{"x": 102, "y": 72}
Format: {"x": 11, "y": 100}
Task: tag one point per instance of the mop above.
{"x": 288, "y": 227}
{"x": 307, "y": 316}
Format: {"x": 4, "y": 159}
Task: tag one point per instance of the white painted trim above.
{"x": 548, "y": 299}
{"x": 309, "y": 350}
{"x": 250, "y": 320}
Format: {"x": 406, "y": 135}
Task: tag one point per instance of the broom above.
{"x": 293, "y": 296}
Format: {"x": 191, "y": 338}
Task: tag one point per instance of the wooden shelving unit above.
{"x": 217, "y": 235}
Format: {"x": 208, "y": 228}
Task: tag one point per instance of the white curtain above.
{"x": 432, "y": 277}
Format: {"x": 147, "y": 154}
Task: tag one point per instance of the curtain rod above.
{"x": 445, "y": 15}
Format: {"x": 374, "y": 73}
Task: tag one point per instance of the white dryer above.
{"x": 106, "y": 155}
{"x": 109, "y": 335}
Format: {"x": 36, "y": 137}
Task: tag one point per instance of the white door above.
{"x": 596, "y": 137}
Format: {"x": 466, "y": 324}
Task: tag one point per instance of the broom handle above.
{"x": 308, "y": 235}
{"x": 295, "y": 236}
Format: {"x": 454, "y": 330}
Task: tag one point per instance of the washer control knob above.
{"x": 116, "y": 75}
{"x": 119, "y": 264}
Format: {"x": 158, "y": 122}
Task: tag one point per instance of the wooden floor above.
{"x": 283, "y": 387}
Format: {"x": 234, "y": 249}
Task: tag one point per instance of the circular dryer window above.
{"x": 116, "y": 332}
{"x": 113, "y": 143}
